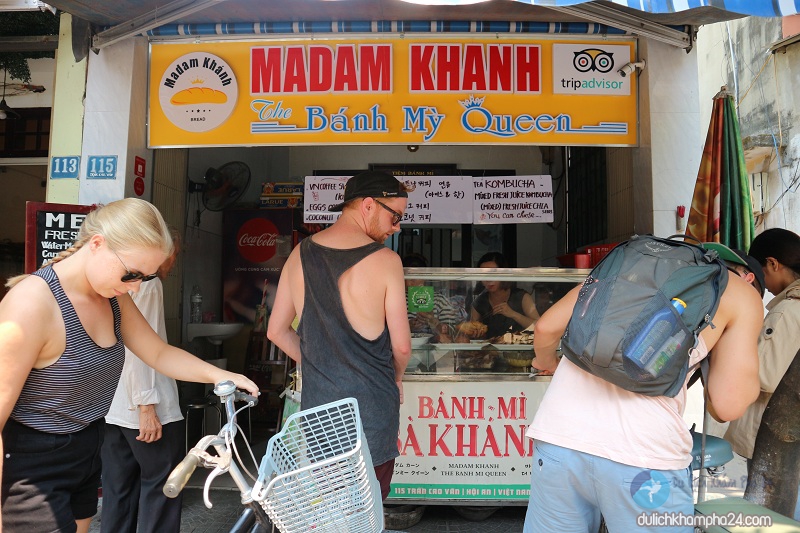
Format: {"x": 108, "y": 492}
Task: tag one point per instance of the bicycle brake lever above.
{"x": 222, "y": 465}
{"x": 214, "y": 473}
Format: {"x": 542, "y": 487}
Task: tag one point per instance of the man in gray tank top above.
{"x": 347, "y": 288}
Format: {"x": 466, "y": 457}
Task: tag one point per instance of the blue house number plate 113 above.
{"x": 65, "y": 167}
{"x": 101, "y": 167}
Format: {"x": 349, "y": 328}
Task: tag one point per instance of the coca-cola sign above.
{"x": 257, "y": 240}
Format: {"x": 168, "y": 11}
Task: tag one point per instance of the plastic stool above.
{"x": 201, "y": 404}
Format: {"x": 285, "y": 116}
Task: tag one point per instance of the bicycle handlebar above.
{"x": 243, "y": 397}
{"x": 180, "y": 475}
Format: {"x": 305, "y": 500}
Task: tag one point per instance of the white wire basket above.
{"x": 317, "y": 474}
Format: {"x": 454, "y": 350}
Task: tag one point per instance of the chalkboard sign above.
{"x": 50, "y": 229}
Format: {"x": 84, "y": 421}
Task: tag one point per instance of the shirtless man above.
{"x": 597, "y": 445}
{"x": 353, "y": 339}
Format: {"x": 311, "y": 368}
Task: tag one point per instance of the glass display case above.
{"x": 470, "y": 396}
{"x": 453, "y": 334}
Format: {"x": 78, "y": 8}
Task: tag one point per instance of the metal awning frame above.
{"x": 29, "y": 43}
{"x": 631, "y": 23}
{"x": 588, "y": 11}
{"x": 157, "y": 17}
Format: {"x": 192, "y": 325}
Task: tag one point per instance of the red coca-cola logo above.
{"x": 257, "y": 240}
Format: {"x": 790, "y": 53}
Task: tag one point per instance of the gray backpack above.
{"x": 641, "y": 310}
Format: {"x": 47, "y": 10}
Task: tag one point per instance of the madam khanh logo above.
{"x": 198, "y": 92}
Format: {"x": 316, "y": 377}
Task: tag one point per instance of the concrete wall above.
{"x": 115, "y": 119}
{"x": 670, "y": 147}
{"x": 737, "y": 54}
{"x": 66, "y": 124}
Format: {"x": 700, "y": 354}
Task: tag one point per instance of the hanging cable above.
{"x": 734, "y": 67}
{"x": 754, "y": 81}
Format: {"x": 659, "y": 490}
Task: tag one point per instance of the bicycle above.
{"x": 316, "y": 473}
{"x": 254, "y": 518}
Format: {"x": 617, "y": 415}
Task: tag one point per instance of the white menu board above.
{"x": 434, "y": 200}
{"x": 439, "y": 200}
{"x": 447, "y": 199}
{"x": 319, "y": 195}
{"x": 513, "y": 199}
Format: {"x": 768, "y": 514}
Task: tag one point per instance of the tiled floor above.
{"x": 436, "y": 519}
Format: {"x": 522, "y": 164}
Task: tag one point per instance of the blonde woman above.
{"x": 61, "y": 351}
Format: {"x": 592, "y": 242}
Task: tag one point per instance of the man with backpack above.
{"x": 617, "y": 445}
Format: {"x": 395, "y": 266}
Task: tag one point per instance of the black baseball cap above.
{"x": 372, "y": 184}
{"x": 738, "y": 257}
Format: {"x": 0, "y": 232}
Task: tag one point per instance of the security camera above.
{"x": 630, "y": 68}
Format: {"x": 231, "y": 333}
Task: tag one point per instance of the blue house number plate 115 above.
{"x": 101, "y": 167}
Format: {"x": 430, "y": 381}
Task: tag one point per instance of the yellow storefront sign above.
{"x": 425, "y": 90}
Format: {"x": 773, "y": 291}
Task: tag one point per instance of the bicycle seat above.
{"x": 718, "y": 451}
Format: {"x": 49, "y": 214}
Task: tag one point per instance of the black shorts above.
{"x": 49, "y": 480}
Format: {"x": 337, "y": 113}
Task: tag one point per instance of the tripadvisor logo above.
{"x": 198, "y": 92}
{"x": 650, "y": 489}
{"x": 581, "y": 70}
{"x": 593, "y": 59}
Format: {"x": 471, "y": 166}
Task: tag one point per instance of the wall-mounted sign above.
{"x": 138, "y": 186}
{"x": 439, "y": 200}
{"x": 513, "y": 199}
{"x": 582, "y": 69}
{"x": 65, "y": 167}
{"x": 49, "y": 230}
{"x": 101, "y": 167}
{"x": 447, "y": 199}
{"x": 139, "y": 165}
{"x": 465, "y": 440}
{"x": 412, "y": 91}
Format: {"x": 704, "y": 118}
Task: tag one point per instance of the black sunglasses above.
{"x": 737, "y": 272}
{"x": 133, "y": 276}
{"x": 396, "y": 217}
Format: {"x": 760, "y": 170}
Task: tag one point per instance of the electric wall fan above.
{"x": 223, "y": 186}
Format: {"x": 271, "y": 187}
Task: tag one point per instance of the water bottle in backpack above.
{"x": 658, "y": 341}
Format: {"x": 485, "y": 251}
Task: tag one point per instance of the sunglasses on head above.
{"x": 738, "y": 272}
{"x": 133, "y": 276}
{"x": 396, "y": 217}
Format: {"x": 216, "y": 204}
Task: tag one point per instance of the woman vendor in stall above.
{"x": 501, "y": 306}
